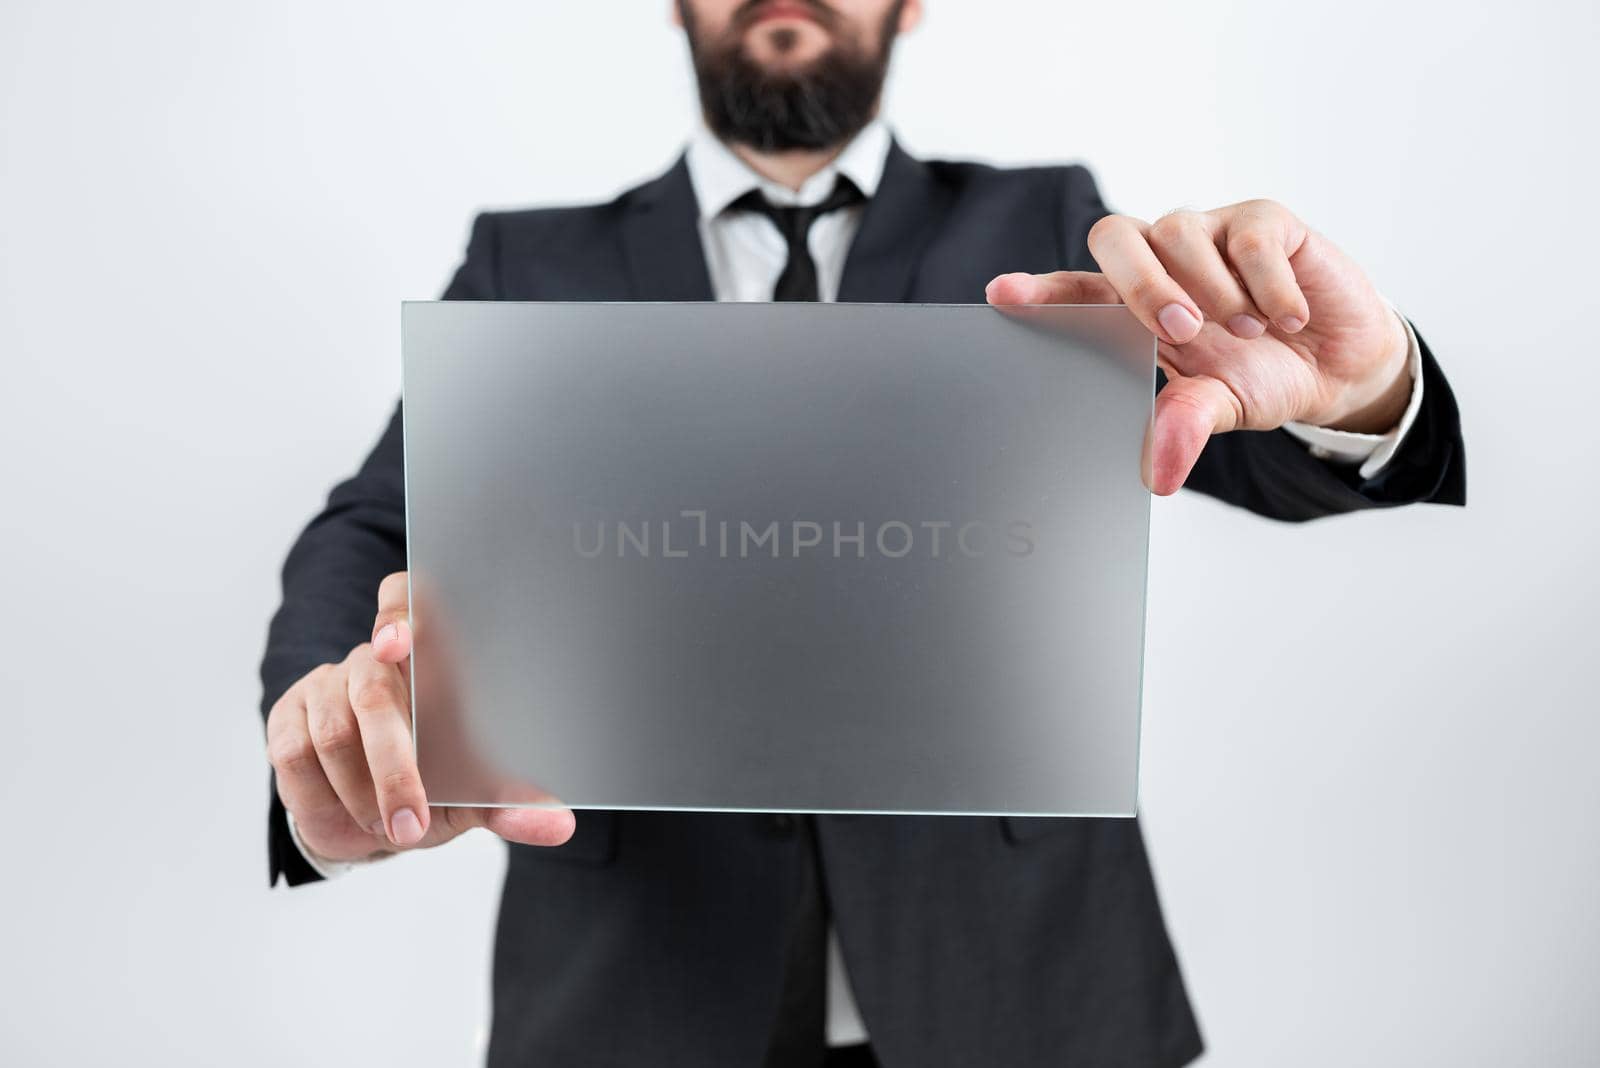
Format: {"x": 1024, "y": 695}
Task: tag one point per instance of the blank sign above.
{"x": 799, "y": 557}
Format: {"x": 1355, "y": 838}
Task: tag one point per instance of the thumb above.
{"x": 531, "y": 826}
{"x": 391, "y": 640}
{"x": 516, "y": 820}
{"x": 391, "y": 629}
{"x": 527, "y": 826}
{"x": 1189, "y": 409}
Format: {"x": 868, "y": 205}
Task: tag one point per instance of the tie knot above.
{"x": 794, "y": 221}
{"x": 799, "y": 278}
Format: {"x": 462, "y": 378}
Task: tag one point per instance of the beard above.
{"x": 823, "y": 104}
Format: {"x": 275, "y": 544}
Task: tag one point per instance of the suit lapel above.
{"x": 661, "y": 239}
{"x": 661, "y": 235}
{"x": 899, "y": 221}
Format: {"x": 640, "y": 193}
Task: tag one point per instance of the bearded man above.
{"x": 1290, "y": 388}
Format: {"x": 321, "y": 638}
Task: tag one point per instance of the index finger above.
{"x": 382, "y": 707}
{"x": 1057, "y": 287}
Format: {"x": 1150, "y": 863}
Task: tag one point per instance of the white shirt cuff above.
{"x": 328, "y": 869}
{"x": 1372, "y": 451}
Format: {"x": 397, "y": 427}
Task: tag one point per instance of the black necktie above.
{"x": 797, "y": 1037}
{"x": 799, "y": 278}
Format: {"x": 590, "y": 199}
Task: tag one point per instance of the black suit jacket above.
{"x": 658, "y": 938}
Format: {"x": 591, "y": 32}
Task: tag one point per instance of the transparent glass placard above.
{"x": 801, "y": 557}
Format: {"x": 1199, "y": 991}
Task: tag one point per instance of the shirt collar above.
{"x": 720, "y": 177}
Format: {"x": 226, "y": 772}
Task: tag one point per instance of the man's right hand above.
{"x": 340, "y": 742}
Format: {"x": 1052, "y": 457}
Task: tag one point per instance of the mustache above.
{"x": 747, "y": 13}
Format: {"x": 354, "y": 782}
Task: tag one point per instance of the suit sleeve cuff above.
{"x": 1372, "y": 451}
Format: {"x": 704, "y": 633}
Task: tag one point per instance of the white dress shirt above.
{"x": 745, "y": 254}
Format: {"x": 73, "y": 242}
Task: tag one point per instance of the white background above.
{"x": 1370, "y": 743}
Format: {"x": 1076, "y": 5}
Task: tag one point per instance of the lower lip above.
{"x": 791, "y": 13}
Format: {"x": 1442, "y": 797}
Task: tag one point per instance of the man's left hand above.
{"x": 1259, "y": 321}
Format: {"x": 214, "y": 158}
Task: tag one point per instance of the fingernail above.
{"x": 407, "y": 828}
{"x": 388, "y": 634}
{"x": 375, "y": 827}
{"x": 1246, "y": 326}
{"x": 1290, "y": 324}
{"x": 1179, "y": 322}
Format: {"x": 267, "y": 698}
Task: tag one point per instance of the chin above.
{"x": 786, "y": 44}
